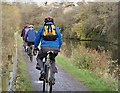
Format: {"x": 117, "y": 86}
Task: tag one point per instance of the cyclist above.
{"x": 30, "y": 36}
{"x": 23, "y": 33}
{"x": 48, "y": 43}
{"x": 23, "y": 30}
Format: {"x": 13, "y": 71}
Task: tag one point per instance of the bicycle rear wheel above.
{"x": 49, "y": 80}
{"x": 44, "y": 81}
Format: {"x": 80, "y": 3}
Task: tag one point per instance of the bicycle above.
{"x": 30, "y": 52}
{"x": 25, "y": 46}
{"x": 48, "y": 78}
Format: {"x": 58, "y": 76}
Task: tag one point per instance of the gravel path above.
{"x": 64, "y": 82}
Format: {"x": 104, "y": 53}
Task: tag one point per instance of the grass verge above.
{"x": 89, "y": 79}
{"x": 22, "y": 79}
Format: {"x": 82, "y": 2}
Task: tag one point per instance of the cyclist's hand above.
{"x": 36, "y": 49}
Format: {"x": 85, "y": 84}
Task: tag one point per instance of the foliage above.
{"x": 97, "y": 21}
{"x": 22, "y": 82}
{"x": 79, "y": 30}
{"x": 91, "y": 56}
{"x": 98, "y": 62}
{"x": 88, "y": 78}
{"x": 10, "y": 24}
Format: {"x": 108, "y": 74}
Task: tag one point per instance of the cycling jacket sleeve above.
{"x": 26, "y": 35}
{"x": 38, "y": 37}
{"x": 35, "y": 33}
{"x": 59, "y": 36}
{"x": 22, "y": 33}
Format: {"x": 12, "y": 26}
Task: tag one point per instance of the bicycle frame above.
{"x": 48, "y": 72}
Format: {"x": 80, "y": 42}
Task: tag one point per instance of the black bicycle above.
{"x": 30, "y": 52}
{"x": 48, "y": 77}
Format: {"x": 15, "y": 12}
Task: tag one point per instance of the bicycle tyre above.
{"x": 50, "y": 87}
{"x": 31, "y": 58}
{"x": 50, "y": 79}
{"x": 43, "y": 85}
{"x": 44, "y": 81}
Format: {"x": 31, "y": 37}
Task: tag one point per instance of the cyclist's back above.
{"x": 46, "y": 43}
{"x": 30, "y": 35}
{"x": 51, "y": 40}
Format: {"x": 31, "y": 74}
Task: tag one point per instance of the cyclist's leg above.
{"x": 31, "y": 47}
{"x": 28, "y": 49}
{"x": 26, "y": 45}
{"x": 53, "y": 61}
{"x": 40, "y": 57}
{"x": 54, "y": 69}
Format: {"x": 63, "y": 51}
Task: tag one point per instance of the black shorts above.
{"x": 30, "y": 43}
{"x": 43, "y": 53}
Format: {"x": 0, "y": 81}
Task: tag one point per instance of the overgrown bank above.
{"x": 10, "y": 24}
{"x": 22, "y": 82}
{"x": 98, "y": 62}
{"x": 87, "y": 77}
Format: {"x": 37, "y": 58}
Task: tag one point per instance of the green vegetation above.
{"x": 98, "y": 62}
{"x": 92, "y": 21}
{"x": 10, "y": 24}
{"x": 22, "y": 82}
{"x": 88, "y": 78}
{"x": 97, "y": 21}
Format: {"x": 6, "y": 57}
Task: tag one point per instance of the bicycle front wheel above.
{"x": 43, "y": 85}
{"x": 50, "y": 87}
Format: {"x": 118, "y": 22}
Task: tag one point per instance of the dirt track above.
{"x": 64, "y": 82}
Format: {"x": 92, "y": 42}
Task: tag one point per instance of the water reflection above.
{"x": 69, "y": 45}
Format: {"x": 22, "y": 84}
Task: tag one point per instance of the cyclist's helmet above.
{"x": 49, "y": 19}
{"x": 31, "y": 27}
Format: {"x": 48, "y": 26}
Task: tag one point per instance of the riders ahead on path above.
{"x": 24, "y": 30}
{"x": 30, "y": 36}
{"x": 23, "y": 34}
{"x": 50, "y": 37}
